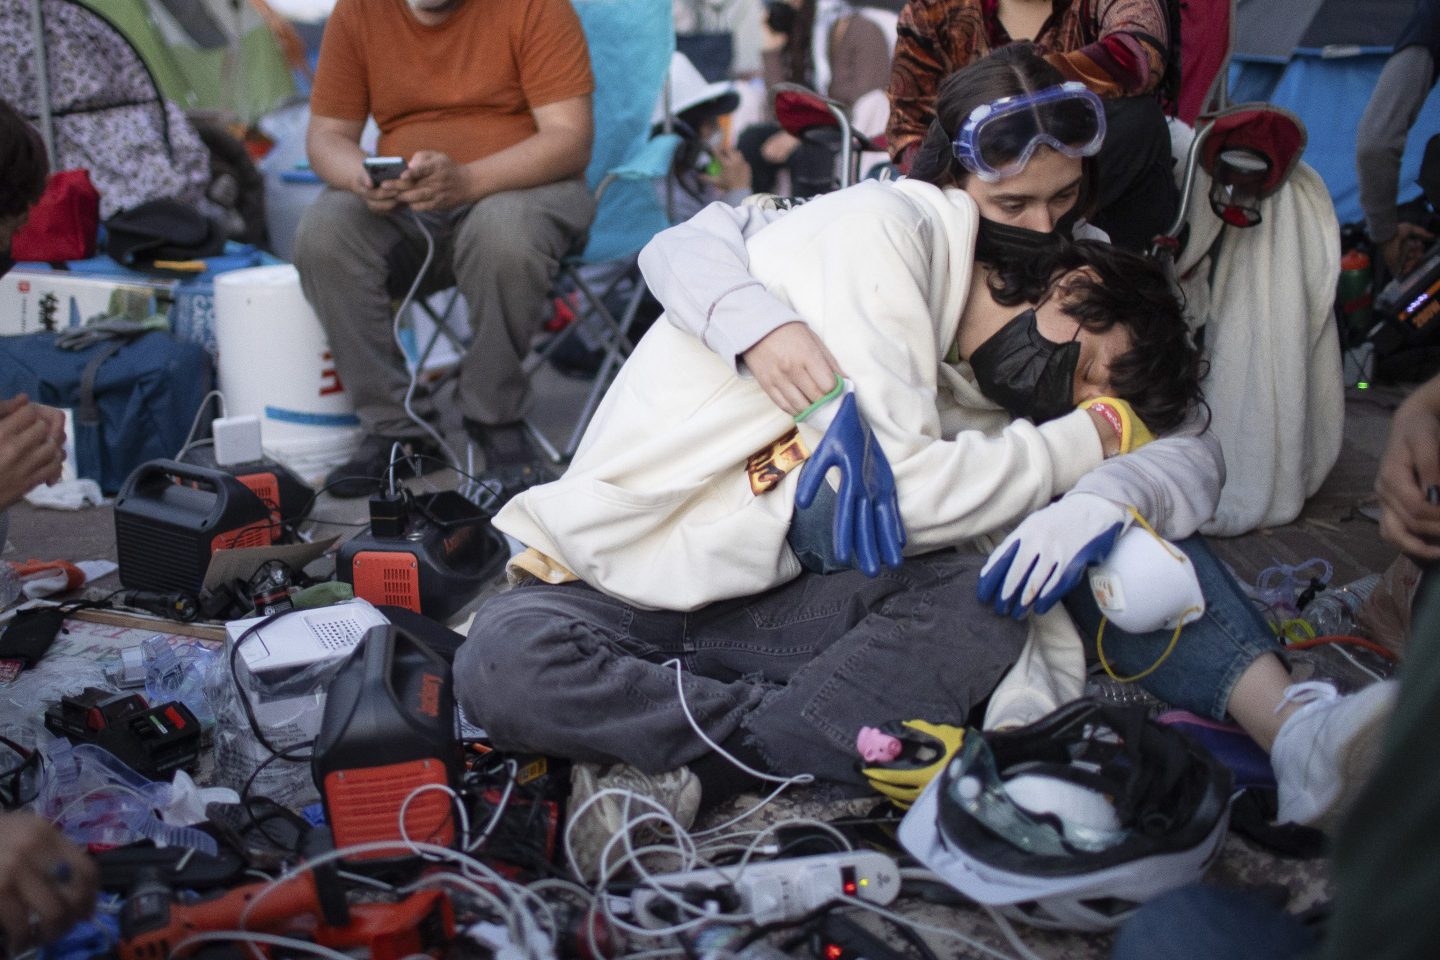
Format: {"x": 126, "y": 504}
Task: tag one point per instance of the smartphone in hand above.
{"x": 381, "y": 169}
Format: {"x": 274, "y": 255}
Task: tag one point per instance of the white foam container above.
{"x": 275, "y": 363}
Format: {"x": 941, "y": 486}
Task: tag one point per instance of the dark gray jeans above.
{"x": 797, "y": 670}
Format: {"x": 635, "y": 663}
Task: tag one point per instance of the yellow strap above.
{"x": 1100, "y": 650}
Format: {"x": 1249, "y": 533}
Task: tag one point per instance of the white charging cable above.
{"x": 400, "y": 344}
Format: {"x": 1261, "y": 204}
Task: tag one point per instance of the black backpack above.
{"x": 163, "y": 229}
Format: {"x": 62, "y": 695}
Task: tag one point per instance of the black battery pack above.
{"x": 152, "y": 741}
{"x": 388, "y": 733}
{"x": 431, "y": 555}
{"x": 170, "y": 517}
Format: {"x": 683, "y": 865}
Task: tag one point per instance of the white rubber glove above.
{"x": 1046, "y": 556}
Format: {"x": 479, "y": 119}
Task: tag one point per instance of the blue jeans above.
{"x": 1212, "y": 923}
{"x": 1200, "y": 673}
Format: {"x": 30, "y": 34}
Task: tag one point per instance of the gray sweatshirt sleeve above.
{"x": 1174, "y": 481}
{"x": 700, "y": 272}
{"x": 1380, "y": 138}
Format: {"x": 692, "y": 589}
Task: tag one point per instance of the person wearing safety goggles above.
{"x": 980, "y": 387}
{"x": 1018, "y": 143}
{"x": 1122, "y": 50}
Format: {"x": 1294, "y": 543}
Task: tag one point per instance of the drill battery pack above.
{"x": 442, "y": 551}
{"x": 170, "y": 517}
{"x": 386, "y": 734}
{"x": 152, "y": 741}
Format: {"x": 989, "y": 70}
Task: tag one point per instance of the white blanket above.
{"x": 1275, "y": 384}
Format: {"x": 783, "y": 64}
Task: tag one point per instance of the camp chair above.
{"x": 1255, "y": 251}
{"x": 630, "y": 46}
{"x": 805, "y": 114}
{"x": 1248, "y": 150}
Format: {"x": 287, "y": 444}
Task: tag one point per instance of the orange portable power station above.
{"x": 387, "y": 733}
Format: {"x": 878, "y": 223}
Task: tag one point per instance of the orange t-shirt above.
{"x": 465, "y": 87}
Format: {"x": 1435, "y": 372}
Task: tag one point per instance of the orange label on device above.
{"x": 767, "y": 466}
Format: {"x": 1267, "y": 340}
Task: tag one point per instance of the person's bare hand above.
{"x": 381, "y": 199}
{"x": 433, "y": 182}
{"x": 47, "y": 883}
{"x": 1409, "y": 467}
{"x": 779, "y": 147}
{"x": 792, "y": 366}
{"x": 771, "y": 40}
{"x": 32, "y": 447}
{"x": 734, "y": 170}
{"x": 1109, "y": 436}
{"x": 1403, "y": 251}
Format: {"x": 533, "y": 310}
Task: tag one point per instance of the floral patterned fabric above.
{"x": 109, "y": 118}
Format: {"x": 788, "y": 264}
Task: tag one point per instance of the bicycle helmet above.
{"x": 1075, "y": 820}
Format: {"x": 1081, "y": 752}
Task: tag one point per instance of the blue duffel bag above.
{"x": 133, "y": 397}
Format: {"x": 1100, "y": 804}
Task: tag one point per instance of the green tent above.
{"x": 205, "y": 54}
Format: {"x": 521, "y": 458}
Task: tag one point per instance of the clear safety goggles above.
{"x": 999, "y": 138}
{"x": 973, "y": 783}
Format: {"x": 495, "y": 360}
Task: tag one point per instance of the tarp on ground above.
{"x": 1321, "y": 59}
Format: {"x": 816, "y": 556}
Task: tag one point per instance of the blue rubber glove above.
{"x": 867, "y": 526}
{"x": 1046, "y": 556}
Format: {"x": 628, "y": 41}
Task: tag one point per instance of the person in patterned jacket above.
{"x": 1121, "y": 49}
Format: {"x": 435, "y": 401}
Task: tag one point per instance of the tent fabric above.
{"x": 200, "y": 59}
{"x": 109, "y": 118}
{"x": 1320, "y": 59}
{"x": 1267, "y": 30}
{"x": 1329, "y": 96}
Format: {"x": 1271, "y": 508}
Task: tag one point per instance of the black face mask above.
{"x": 997, "y": 242}
{"x": 1025, "y": 373}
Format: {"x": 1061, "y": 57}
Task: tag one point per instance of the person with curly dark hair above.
{"x": 1123, "y": 50}
{"x": 1003, "y": 370}
{"x": 25, "y": 166}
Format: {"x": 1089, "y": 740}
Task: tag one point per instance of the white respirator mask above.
{"x": 1146, "y": 584}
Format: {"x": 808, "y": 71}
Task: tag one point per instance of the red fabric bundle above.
{"x": 64, "y": 224}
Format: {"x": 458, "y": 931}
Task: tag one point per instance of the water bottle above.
{"x": 1334, "y": 610}
{"x": 1354, "y": 294}
{"x": 172, "y": 675}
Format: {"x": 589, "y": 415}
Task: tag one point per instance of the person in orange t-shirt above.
{"x": 488, "y": 103}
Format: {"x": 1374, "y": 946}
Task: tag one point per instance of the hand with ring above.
{"x": 47, "y": 883}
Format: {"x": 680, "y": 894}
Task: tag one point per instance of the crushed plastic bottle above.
{"x": 1334, "y": 610}
{"x": 172, "y": 674}
{"x": 95, "y": 798}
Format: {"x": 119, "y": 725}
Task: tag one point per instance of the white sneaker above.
{"x": 653, "y": 798}
{"x": 1327, "y": 749}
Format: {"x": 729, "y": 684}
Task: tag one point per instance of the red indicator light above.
{"x": 833, "y": 951}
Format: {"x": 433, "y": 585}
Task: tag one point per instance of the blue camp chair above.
{"x": 630, "y": 45}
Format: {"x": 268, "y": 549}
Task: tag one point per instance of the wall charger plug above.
{"x": 237, "y": 440}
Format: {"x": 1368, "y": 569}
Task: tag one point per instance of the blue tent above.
{"x": 1320, "y": 59}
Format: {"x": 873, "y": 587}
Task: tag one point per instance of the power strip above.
{"x": 772, "y": 891}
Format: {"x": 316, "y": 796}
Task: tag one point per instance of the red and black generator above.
{"x": 170, "y": 517}
{"x": 386, "y": 735}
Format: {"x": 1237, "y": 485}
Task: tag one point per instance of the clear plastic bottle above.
{"x": 1333, "y": 611}
{"x": 177, "y": 675}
